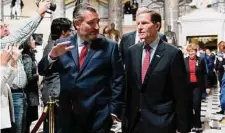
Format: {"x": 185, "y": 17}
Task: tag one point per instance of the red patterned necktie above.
{"x": 83, "y": 54}
{"x": 146, "y": 62}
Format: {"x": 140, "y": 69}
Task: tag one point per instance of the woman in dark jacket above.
{"x": 31, "y": 90}
{"x": 197, "y": 75}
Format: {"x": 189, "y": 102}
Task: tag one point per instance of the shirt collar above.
{"x": 80, "y": 42}
{"x": 154, "y": 44}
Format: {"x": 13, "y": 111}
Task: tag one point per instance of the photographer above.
{"x": 25, "y": 30}
{"x": 8, "y": 70}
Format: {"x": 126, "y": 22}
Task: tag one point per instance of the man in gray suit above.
{"x": 60, "y": 28}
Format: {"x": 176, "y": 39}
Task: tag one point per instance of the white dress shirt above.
{"x": 80, "y": 44}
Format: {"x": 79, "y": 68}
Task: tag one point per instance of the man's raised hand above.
{"x": 43, "y": 6}
{"x": 5, "y": 56}
{"x": 60, "y": 49}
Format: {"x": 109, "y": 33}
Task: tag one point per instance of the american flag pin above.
{"x": 158, "y": 56}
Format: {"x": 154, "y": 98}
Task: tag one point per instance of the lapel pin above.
{"x": 158, "y": 56}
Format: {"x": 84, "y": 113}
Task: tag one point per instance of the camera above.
{"x": 52, "y": 5}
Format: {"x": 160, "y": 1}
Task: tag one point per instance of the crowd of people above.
{"x": 19, "y": 96}
{"x": 147, "y": 84}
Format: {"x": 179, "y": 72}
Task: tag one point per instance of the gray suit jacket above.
{"x": 51, "y": 82}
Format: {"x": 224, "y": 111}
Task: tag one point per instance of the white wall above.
{"x": 202, "y": 22}
{"x": 199, "y": 28}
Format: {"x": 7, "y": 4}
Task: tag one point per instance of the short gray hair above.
{"x": 142, "y": 9}
{"x": 79, "y": 9}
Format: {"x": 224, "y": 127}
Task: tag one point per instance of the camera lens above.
{"x": 52, "y": 7}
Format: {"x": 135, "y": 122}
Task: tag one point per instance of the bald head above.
{"x": 141, "y": 9}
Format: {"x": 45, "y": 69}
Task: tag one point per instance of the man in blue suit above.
{"x": 91, "y": 76}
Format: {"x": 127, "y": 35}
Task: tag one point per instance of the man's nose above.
{"x": 97, "y": 26}
{"x": 140, "y": 27}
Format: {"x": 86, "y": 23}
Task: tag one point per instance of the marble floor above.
{"x": 210, "y": 119}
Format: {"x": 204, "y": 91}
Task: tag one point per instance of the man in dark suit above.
{"x": 91, "y": 76}
{"x": 128, "y": 40}
{"x": 155, "y": 74}
{"x": 60, "y": 28}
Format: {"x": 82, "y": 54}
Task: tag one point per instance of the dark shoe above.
{"x": 221, "y": 112}
{"x": 199, "y": 130}
{"x": 193, "y": 129}
{"x": 204, "y": 100}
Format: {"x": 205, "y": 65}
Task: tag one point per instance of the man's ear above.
{"x": 158, "y": 25}
{"x": 63, "y": 33}
{"x": 76, "y": 24}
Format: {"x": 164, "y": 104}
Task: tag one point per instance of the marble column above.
{"x": 2, "y": 10}
{"x": 115, "y": 14}
{"x": 60, "y": 9}
{"x": 171, "y": 11}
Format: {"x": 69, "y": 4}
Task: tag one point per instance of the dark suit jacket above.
{"x": 51, "y": 82}
{"x": 163, "y": 102}
{"x": 200, "y": 72}
{"x": 163, "y": 37}
{"x": 88, "y": 95}
{"x": 219, "y": 64}
{"x": 127, "y": 40}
